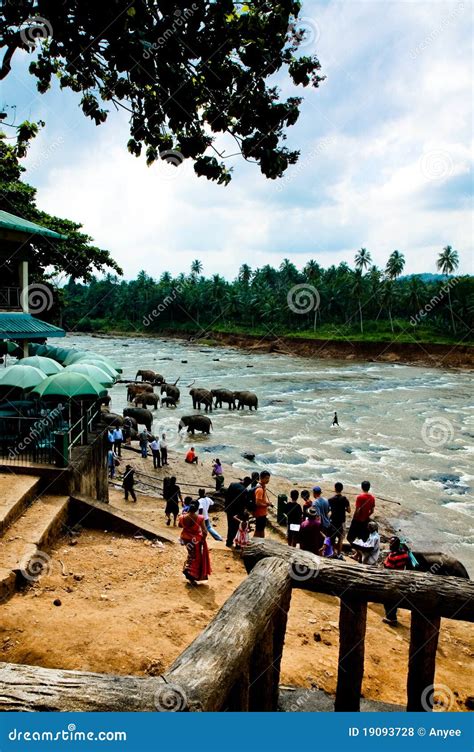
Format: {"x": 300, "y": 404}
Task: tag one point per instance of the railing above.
{"x": 79, "y": 431}
{"x": 10, "y": 298}
{"x": 234, "y": 664}
{"x": 30, "y": 439}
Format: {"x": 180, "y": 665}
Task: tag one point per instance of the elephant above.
{"x": 246, "y": 398}
{"x": 435, "y": 562}
{"x": 171, "y": 390}
{"x": 148, "y": 375}
{"x": 135, "y": 389}
{"x": 143, "y": 416}
{"x": 111, "y": 419}
{"x": 201, "y": 397}
{"x": 168, "y": 402}
{"x": 147, "y": 398}
{"x": 195, "y": 423}
{"x": 223, "y": 395}
{"x": 105, "y": 400}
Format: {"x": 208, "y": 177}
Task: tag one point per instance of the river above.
{"x": 409, "y": 430}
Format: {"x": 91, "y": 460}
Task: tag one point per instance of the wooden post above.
{"x": 262, "y": 674}
{"x": 424, "y": 636}
{"x": 239, "y": 696}
{"x": 352, "y": 625}
{"x": 279, "y": 632}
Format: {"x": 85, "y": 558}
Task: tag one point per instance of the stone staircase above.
{"x": 29, "y": 525}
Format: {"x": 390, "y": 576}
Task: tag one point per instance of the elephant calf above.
{"x": 146, "y": 398}
{"x": 248, "y": 399}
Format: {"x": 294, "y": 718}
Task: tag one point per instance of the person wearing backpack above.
{"x": 236, "y": 501}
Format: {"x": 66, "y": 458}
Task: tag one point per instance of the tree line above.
{"x": 337, "y": 301}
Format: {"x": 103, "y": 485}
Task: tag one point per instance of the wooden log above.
{"x": 209, "y": 668}
{"x": 32, "y": 688}
{"x": 450, "y": 597}
{"x": 279, "y": 633}
{"x": 262, "y": 674}
{"x": 352, "y": 626}
{"x": 238, "y": 701}
{"x": 424, "y": 636}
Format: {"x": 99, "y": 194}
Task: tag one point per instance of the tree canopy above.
{"x": 75, "y": 257}
{"x": 185, "y": 72}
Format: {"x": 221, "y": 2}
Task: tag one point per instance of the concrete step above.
{"x": 24, "y": 548}
{"x": 16, "y": 492}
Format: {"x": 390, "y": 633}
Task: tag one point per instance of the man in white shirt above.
{"x": 204, "y": 503}
{"x": 368, "y": 552}
{"x": 155, "y": 450}
{"x": 164, "y": 449}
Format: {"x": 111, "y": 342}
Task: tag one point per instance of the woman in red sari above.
{"x": 193, "y": 536}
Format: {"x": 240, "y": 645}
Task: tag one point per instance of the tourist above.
{"x": 364, "y": 507}
{"x": 338, "y": 506}
{"x": 368, "y": 551}
{"x": 129, "y": 482}
{"x": 143, "y": 441}
{"x": 198, "y": 563}
{"x": 218, "y": 474}
{"x": 236, "y": 502}
{"x": 204, "y": 503}
{"x": 335, "y": 421}
{"x": 172, "y": 494}
{"x": 191, "y": 457}
{"x": 188, "y": 500}
{"x": 164, "y": 449}
{"x": 110, "y": 437}
{"x": 242, "y": 537}
{"x": 155, "y": 450}
{"x": 306, "y": 497}
{"x": 112, "y": 462}
{"x": 262, "y": 503}
{"x": 322, "y": 506}
{"x": 327, "y": 549}
{"x": 118, "y": 438}
{"x": 310, "y": 536}
{"x": 294, "y": 517}
{"x": 397, "y": 559}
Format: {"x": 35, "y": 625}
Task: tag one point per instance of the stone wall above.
{"x": 88, "y": 469}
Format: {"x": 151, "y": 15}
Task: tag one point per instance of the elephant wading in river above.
{"x": 168, "y": 402}
{"x": 148, "y": 375}
{"x": 133, "y": 390}
{"x": 171, "y": 391}
{"x": 201, "y": 397}
{"x": 147, "y": 398}
{"x": 143, "y": 416}
{"x": 246, "y": 398}
{"x": 223, "y": 395}
{"x": 195, "y": 423}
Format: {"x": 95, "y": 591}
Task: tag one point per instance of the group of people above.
{"x": 158, "y": 446}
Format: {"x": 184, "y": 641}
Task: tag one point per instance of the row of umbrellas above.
{"x": 61, "y": 372}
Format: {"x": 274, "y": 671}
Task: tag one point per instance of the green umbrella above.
{"x": 92, "y": 357}
{"x": 21, "y": 377}
{"x": 95, "y": 373}
{"x": 68, "y": 384}
{"x": 73, "y": 356}
{"x": 47, "y": 365}
{"x": 90, "y": 360}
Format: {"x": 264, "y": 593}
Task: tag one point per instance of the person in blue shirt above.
{"x": 322, "y": 506}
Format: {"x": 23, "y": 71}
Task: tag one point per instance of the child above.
{"x": 327, "y": 549}
{"x": 306, "y": 502}
{"x": 242, "y": 538}
{"x": 187, "y": 501}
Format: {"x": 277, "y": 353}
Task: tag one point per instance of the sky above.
{"x": 386, "y": 157}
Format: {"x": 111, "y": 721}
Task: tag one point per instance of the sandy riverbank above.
{"x": 125, "y": 609}
{"x": 429, "y": 355}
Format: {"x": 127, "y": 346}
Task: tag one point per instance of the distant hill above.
{"x": 427, "y": 277}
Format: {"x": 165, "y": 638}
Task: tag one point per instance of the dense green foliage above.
{"x": 372, "y": 305}
{"x": 75, "y": 257}
{"x": 185, "y": 72}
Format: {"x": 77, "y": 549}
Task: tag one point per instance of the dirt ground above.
{"x": 125, "y": 609}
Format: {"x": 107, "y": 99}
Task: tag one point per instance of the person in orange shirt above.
{"x": 261, "y": 505}
{"x": 191, "y": 457}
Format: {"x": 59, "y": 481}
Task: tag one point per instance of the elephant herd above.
{"x": 142, "y": 397}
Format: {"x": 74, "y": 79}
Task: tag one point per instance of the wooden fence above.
{"x": 234, "y": 664}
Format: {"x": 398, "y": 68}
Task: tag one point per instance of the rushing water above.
{"x": 409, "y": 430}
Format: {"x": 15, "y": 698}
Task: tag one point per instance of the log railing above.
{"x": 427, "y": 596}
{"x": 234, "y": 664}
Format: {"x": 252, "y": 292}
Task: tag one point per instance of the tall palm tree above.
{"x": 196, "y": 268}
{"x": 395, "y": 265}
{"x": 312, "y": 270}
{"x": 245, "y": 274}
{"x": 447, "y": 263}
{"x": 362, "y": 261}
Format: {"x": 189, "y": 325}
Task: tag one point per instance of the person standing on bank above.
{"x": 322, "y": 506}
{"x": 164, "y": 449}
{"x": 235, "y": 504}
{"x": 338, "y": 506}
{"x": 294, "y": 516}
{"x": 218, "y": 474}
{"x": 198, "y": 563}
{"x": 118, "y": 438}
{"x": 173, "y": 497}
{"x": 143, "y": 441}
{"x": 364, "y": 507}
{"x": 204, "y": 503}
{"x": 129, "y": 482}
{"x": 397, "y": 560}
{"x": 262, "y": 503}
{"x": 155, "y": 450}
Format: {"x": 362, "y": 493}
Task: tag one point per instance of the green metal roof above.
{"x": 18, "y": 224}
{"x": 25, "y": 326}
